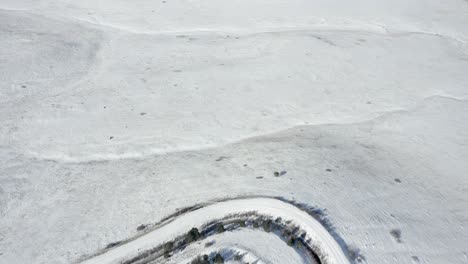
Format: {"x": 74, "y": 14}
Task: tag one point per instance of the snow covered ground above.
{"x": 118, "y": 113}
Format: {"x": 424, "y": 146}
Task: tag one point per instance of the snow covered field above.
{"x": 115, "y": 114}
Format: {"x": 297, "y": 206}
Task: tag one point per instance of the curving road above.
{"x": 264, "y": 206}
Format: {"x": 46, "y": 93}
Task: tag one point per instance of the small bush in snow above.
{"x": 220, "y": 228}
{"x": 238, "y": 257}
{"x": 255, "y": 224}
{"x": 167, "y": 249}
{"x": 291, "y": 241}
{"x": 201, "y": 260}
{"x": 192, "y": 235}
{"x": 218, "y": 258}
{"x": 267, "y": 225}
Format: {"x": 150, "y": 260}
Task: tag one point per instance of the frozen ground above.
{"x": 117, "y": 113}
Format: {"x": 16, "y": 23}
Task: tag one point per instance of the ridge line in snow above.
{"x": 159, "y": 152}
{"x": 346, "y": 26}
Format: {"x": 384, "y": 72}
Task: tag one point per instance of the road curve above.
{"x": 319, "y": 236}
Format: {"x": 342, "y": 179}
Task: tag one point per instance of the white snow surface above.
{"x": 118, "y": 113}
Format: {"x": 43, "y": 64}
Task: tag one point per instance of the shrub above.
{"x": 291, "y": 241}
{"x": 220, "y": 228}
{"x": 201, "y": 260}
{"x": 167, "y": 249}
{"x": 192, "y": 235}
{"x": 286, "y": 233}
{"x": 299, "y": 244}
{"x": 255, "y": 224}
{"x": 267, "y": 225}
{"x": 218, "y": 258}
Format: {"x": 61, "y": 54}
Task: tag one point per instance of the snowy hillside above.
{"x": 296, "y": 131}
